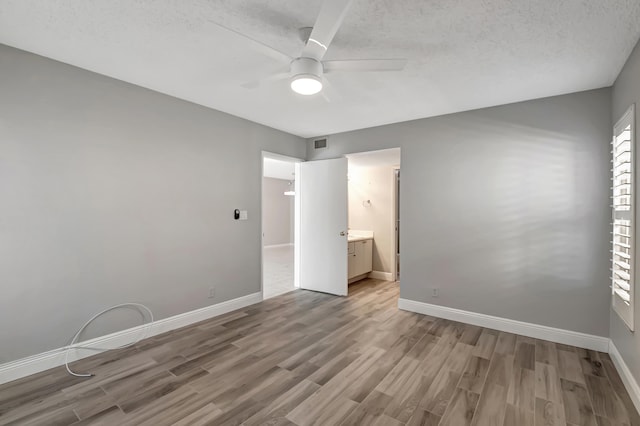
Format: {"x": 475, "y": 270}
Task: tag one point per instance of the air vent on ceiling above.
{"x": 320, "y": 143}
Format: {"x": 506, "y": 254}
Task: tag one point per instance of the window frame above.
{"x": 623, "y": 218}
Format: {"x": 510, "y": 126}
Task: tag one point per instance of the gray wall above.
{"x": 505, "y": 209}
{"x": 112, "y": 193}
{"x": 626, "y": 91}
{"x": 277, "y": 217}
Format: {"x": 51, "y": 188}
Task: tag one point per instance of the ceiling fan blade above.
{"x": 329, "y": 92}
{"x": 256, "y": 45}
{"x": 254, "y": 84}
{"x": 365, "y": 65}
{"x": 329, "y": 20}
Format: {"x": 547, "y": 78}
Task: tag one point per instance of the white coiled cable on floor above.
{"x": 73, "y": 345}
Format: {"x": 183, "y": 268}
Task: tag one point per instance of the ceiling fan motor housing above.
{"x": 306, "y": 67}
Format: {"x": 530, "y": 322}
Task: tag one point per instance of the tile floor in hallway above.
{"x": 278, "y": 270}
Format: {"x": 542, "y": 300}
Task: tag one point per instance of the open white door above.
{"x": 322, "y": 196}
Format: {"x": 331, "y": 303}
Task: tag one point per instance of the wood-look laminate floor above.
{"x": 308, "y": 358}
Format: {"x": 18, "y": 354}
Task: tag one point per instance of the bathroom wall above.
{"x": 374, "y": 185}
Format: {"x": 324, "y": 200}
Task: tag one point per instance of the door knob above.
{"x": 342, "y": 234}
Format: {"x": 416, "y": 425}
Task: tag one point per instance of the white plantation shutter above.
{"x": 622, "y": 255}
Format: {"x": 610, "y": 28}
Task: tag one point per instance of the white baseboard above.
{"x": 278, "y": 245}
{"x": 629, "y": 381}
{"x": 357, "y": 278}
{"x": 379, "y": 275}
{"x": 36, "y": 363}
{"x": 557, "y": 335}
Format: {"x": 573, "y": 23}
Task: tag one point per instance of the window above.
{"x": 622, "y": 255}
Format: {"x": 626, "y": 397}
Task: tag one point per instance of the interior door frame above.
{"x": 395, "y": 220}
{"x": 397, "y": 211}
{"x": 296, "y": 224}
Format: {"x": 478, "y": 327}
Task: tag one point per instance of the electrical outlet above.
{"x": 435, "y": 292}
{"x": 212, "y": 292}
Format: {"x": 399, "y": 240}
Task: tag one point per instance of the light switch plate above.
{"x": 243, "y": 215}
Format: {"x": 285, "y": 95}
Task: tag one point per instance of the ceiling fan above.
{"x": 306, "y": 72}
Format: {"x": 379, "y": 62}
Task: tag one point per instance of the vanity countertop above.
{"x": 354, "y": 235}
{"x": 354, "y": 238}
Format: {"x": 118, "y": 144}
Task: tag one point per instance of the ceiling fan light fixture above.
{"x": 306, "y": 84}
{"x": 306, "y": 76}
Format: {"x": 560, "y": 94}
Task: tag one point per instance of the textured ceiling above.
{"x": 463, "y": 54}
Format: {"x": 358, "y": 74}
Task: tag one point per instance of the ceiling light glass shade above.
{"x": 306, "y": 84}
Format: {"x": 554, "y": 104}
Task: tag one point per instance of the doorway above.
{"x": 278, "y": 224}
{"x": 330, "y": 213}
{"x": 374, "y": 211}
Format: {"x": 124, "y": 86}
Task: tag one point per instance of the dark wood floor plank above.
{"x": 370, "y": 410}
{"x": 107, "y": 417}
{"x": 423, "y": 347}
{"x": 500, "y": 369}
{"x": 393, "y": 382}
{"x": 546, "y": 352}
{"x": 306, "y": 358}
{"x": 506, "y": 343}
{"x": 333, "y": 367}
{"x": 491, "y": 405}
{"x": 522, "y": 389}
{"x": 547, "y": 383}
{"x": 110, "y": 371}
{"x": 577, "y": 407}
{"x": 56, "y": 415}
{"x": 335, "y": 392}
{"x": 569, "y": 366}
{"x": 424, "y": 418}
{"x": 474, "y": 374}
{"x": 461, "y": 409}
{"x": 335, "y": 412}
{"x": 590, "y": 362}
{"x": 440, "y": 392}
{"x": 403, "y": 405}
{"x": 34, "y": 388}
{"x": 525, "y": 356}
{"x": 458, "y": 357}
{"x": 486, "y": 344}
{"x": 281, "y": 406}
{"x": 204, "y": 416}
{"x": 518, "y": 416}
{"x": 606, "y": 402}
{"x": 549, "y": 413}
{"x": 618, "y": 387}
{"x": 168, "y": 408}
{"x": 471, "y": 335}
{"x": 91, "y": 403}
